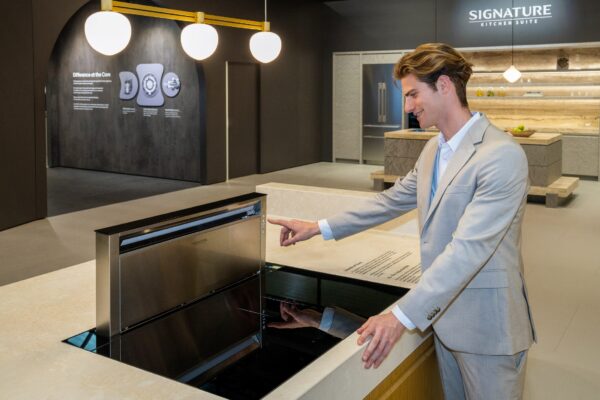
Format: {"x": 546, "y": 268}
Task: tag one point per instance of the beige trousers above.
{"x": 468, "y": 376}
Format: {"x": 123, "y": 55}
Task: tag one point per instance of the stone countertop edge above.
{"x": 340, "y": 374}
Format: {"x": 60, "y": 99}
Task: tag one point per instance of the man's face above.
{"x": 420, "y": 99}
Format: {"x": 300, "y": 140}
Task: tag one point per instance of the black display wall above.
{"x": 118, "y": 113}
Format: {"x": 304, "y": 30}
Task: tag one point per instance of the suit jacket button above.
{"x": 437, "y": 309}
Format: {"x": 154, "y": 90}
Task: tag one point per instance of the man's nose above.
{"x": 408, "y": 105}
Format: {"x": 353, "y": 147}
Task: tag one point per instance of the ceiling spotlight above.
{"x": 107, "y": 32}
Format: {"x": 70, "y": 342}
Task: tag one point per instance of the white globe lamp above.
{"x": 265, "y": 46}
{"x": 107, "y": 32}
{"x": 199, "y": 41}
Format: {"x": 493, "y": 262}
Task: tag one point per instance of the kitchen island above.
{"x": 38, "y": 313}
{"x": 543, "y": 151}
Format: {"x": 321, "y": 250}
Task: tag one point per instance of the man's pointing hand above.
{"x": 293, "y": 231}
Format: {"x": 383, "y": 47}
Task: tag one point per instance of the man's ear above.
{"x": 444, "y": 84}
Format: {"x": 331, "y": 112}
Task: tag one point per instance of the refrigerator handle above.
{"x": 385, "y": 103}
{"x": 379, "y": 113}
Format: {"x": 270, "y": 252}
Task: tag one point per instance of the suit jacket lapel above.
{"x": 459, "y": 159}
{"x": 424, "y": 192}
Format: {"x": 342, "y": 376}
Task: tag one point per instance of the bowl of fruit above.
{"x": 520, "y": 131}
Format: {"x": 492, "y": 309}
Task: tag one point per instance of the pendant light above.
{"x": 199, "y": 40}
{"x": 265, "y": 46}
{"x": 512, "y": 74}
{"x": 107, "y": 32}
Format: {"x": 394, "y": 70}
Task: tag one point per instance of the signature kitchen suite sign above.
{"x": 490, "y": 17}
{"x": 476, "y": 23}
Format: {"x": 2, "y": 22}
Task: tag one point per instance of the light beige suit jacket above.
{"x": 472, "y": 288}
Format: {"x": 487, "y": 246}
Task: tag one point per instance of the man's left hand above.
{"x": 385, "y": 330}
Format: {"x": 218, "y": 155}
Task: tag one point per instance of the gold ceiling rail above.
{"x": 178, "y": 15}
{"x": 233, "y": 22}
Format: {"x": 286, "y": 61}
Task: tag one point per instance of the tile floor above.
{"x": 561, "y": 249}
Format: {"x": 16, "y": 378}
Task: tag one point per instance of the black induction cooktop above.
{"x": 187, "y": 344}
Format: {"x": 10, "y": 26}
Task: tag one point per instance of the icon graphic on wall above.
{"x": 149, "y": 75}
{"x": 150, "y": 94}
{"x": 129, "y": 85}
{"x": 171, "y": 84}
{"x": 149, "y": 85}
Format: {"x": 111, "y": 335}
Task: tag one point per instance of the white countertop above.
{"x": 38, "y": 313}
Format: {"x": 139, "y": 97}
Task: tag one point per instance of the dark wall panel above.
{"x": 49, "y": 18}
{"x": 233, "y": 46}
{"x": 291, "y": 87}
{"x": 380, "y": 24}
{"x": 17, "y": 135}
{"x": 161, "y": 141}
{"x": 243, "y": 97}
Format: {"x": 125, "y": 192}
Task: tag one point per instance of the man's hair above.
{"x": 431, "y": 60}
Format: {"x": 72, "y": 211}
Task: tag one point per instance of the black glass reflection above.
{"x": 220, "y": 344}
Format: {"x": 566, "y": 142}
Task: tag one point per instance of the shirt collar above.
{"x": 455, "y": 140}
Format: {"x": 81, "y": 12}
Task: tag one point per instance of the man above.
{"x": 470, "y": 186}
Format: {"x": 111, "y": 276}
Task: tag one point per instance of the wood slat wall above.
{"x": 546, "y": 98}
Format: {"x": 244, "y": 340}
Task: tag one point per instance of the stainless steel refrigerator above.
{"x": 382, "y": 109}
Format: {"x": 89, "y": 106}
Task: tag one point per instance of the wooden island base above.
{"x": 417, "y": 378}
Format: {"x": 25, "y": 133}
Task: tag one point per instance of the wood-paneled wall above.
{"x": 548, "y": 98}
